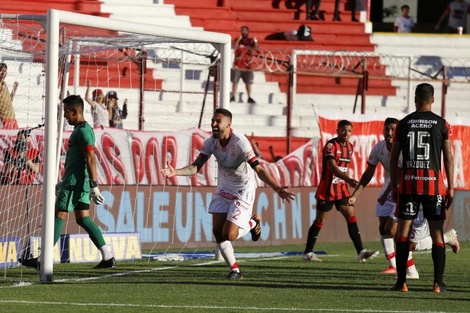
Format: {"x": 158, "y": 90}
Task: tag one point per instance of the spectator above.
{"x": 21, "y": 163}
{"x": 353, "y": 11}
{"x": 456, "y": 12}
{"x": 274, "y": 157}
{"x": 7, "y": 113}
{"x": 116, "y": 115}
{"x": 422, "y": 138}
{"x": 315, "y": 14}
{"x": 404, "y": 23}
{"x": 255, "y": 147}
{"x": 244, "y": 46}
{"x": 336, "y": 17}
{"x": 99, "y": 111}
{"x": 333, "y": 190}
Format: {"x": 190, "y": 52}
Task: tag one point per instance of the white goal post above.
{"x": 134, "y": 35}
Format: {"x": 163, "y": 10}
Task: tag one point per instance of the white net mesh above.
{"x": 169, "y": 86}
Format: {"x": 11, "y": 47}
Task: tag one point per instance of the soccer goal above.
{"x": 170, "y": 78}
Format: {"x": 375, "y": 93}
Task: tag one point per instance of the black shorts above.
{"x": 432, "y": 206}
{"x": 327, "y": 205}
{"x": 246, "y": 76}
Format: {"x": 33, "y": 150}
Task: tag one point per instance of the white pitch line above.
{"x": 25, "y": 284}
{"x": 161, "y": 306}
{"x": 207, "y": 307}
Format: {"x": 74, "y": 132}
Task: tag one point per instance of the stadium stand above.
{"x": 265, "y": 17}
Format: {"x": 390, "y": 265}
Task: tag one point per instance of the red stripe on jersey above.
{"x": 420, "y": 184}
{"x": 331, "y": 187}
{"x": 421, "y": 136}
{"x": 89, "y": 148}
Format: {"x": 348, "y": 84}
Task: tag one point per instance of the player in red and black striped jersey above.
{"x": 422, "y": 137}
{"x": 333, "y": 190}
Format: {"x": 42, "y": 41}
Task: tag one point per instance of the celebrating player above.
{"x": 232, "y": 205}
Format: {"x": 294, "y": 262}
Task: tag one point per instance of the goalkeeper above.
{"x": 79, "y": 181}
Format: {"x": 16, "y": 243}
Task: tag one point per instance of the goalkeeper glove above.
{"x": 96, "y": 195}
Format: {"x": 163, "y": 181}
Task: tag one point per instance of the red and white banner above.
{"x": 136, "y": 157}
{"x": 366, "y": 133}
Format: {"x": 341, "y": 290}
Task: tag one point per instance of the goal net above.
{"x": 167, "y": 79}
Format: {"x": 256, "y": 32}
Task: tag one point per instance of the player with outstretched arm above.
{"x": 231, "y": 206}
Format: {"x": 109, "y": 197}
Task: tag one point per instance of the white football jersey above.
{"x": 381, "y": 154}
{"x": 235, "y": 174}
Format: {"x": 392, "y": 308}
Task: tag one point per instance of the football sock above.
{"x": 58, "y": 223}
{"x": 234, "y": 267}
{"x": 106, "y": 252}
{"x": 227, "y": 252}
{"x": 243, "y": 231}
{"x": 410, "y": 264}
{"x": 251, "y": 223}
{"x": 312, "y": 236}
{"x": 402, "y": 252}
{"x": 425, "y": 244}
{"x": 354, "y": 233}
{"x": 389, "y": 249}
{"x": 93, "y": 231}
{"x": 446, "y": 239}
{"x": 439, "y": 259}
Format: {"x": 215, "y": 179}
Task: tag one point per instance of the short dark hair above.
{"x": 390, "y": 120}
{"x": 3, "y": 65}
{"x": 405, "y": 6}
{"x": 244, "y": 26}
{"x": 74, "y": 102}
{"x": 344, "y": 123}
{"x": 223, "y": 111}
{"x": 424, "y": 93}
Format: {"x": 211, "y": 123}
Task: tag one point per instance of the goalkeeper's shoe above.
{"x": 310, "y": 256}
{"x": 234, "y": 275}
{"x": 453, "y": 240}
{"x": 402, "y": 287}
{"x": 365, "y": 254}
{"x": 33, "y": 263}
{"x": 256, "y": 231}
{"x": 106, "y": 263}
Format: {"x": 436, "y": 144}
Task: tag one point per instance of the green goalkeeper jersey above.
{"x": 76, "y": 173}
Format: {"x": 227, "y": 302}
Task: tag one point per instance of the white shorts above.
{"x": 238, "y": 207}
{"x": 387, "y": 209}
{"x": 420, "y": 228}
